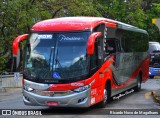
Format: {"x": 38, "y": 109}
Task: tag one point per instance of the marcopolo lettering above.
{"x": 46, "y": 36}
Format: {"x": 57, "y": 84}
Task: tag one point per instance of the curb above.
{"x": 156, "y": 96}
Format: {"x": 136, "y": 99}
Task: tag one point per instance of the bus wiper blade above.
{"x": 51, "y": 63}
{"x": 57, "y": 62}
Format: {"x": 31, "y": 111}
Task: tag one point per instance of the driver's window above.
{"x": 110, "y": 46}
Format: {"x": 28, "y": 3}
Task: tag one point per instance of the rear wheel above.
{"x": 139, "y": 81}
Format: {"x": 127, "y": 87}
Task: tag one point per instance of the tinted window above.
{"x": 134, "y": 42}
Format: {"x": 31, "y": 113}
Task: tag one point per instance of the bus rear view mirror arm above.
{"x": 16, "y": 51}
{"x": 15, "y": 44}
{"x": 91, "y": 42}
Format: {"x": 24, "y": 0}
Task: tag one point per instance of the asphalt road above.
{"x": 135, "y": 100}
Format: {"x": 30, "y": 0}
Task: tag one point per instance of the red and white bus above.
{"x": 81, "y": 61}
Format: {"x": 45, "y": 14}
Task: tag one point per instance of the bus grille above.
{"x": 52, "y": 93}
{"x": 155, "y": 62}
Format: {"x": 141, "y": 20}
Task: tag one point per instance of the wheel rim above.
{"x": 105, "y": 95}
{"x": 139, "y": 84}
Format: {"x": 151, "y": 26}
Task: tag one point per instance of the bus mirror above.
{"x": 91, "y": 42}
{"x": 16, "y": 51}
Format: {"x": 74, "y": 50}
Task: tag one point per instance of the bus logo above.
{"x": 51, "y": 93}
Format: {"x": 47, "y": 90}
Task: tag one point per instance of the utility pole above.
{"x": 156, "y": 21}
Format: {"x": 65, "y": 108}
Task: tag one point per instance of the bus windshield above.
{"x": 56, "y": 57}
{"x": 154, "y": 47}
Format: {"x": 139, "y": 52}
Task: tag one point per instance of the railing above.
{"x": 11, "y": 80}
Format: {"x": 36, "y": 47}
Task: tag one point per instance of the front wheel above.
{"x": 151, "y": 77}
{"x": 138, "y": 86}
{"x": 107, "y": 96}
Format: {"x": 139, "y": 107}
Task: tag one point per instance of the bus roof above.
{"x": 130, "y": 27}
{"x": 79, "y": 23}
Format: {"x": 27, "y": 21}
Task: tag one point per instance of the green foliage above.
{"x": 17, "y": 16}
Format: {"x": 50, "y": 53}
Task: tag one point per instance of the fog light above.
{"x": 81, "y": 100}
{"x": 26, "y": 98}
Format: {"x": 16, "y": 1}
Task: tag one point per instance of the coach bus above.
{"x": 154, "y": 67}
{"x": 81, "y": 61}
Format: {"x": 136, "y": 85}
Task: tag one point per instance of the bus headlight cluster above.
{"x": 80, "y": 89}
{"x": 29, "y": 89}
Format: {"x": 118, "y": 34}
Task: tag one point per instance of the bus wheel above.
{"x": 138, "y": 86}
{"x": 151, "y": 77}
{"x": 107, "y": 96}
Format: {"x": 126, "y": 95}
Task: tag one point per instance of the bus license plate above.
{"x": 52, "y": 103}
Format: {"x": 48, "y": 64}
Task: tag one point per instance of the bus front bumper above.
{"x": 76, "y": 99}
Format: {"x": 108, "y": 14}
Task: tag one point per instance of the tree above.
{"x": 17, "y": 16}
{"x": 13, "y": 22}
{"x": 152, "y": 10}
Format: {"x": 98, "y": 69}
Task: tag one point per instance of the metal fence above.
{"x": 11, "y": 80}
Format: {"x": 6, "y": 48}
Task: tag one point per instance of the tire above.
{"x": 151, "y": 77}
{"x": 107, "y": 96}
{"x": 138, "y": 86}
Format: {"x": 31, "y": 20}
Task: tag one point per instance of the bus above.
{"x": 154, "y": 67}
{"x": 81, "y": 61}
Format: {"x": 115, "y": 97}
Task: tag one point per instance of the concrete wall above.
{"x": 13, "y": 81}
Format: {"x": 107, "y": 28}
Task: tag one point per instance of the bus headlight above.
{"x": 29, "y": 89}
{"x": 80, "y": 89}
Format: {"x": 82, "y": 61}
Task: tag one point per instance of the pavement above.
{"x": 9, "y": 92}
{"x": 2, "y": 89}
{"x": 156, "y": 93}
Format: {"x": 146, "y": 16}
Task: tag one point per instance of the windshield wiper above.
{"x": 156, "y": 51}
{"x": 51, "y": 59}
{"x": 57, "y": 60}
